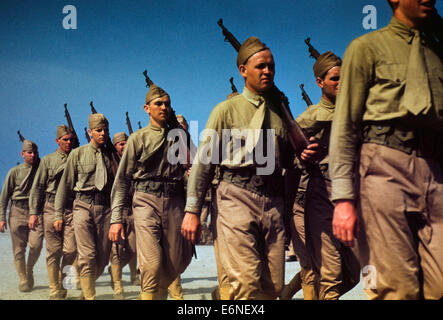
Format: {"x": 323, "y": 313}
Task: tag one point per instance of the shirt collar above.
{"x": 62, "y": 154}
{"x": 153, "y": 127}
{"x": 253, "y": 98}
{"x": 326, "y": 104}
{"x": 402, "y": 29}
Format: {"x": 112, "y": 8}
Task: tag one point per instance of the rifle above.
{"x": 233, "y": 88}
{"x": 314, "y": 53}
{"x": 305, "y": 95}
{"x": 22, "y": 139}
{"x": 128, "y": 122}
{"x": 297, "y": 138}
{"x": 88, "y": 138}
{"x": 147, "y": 79}
{"x": 139, "y": 125}
{"x": 75, "y": 142}
{"x": 92, "y": 107}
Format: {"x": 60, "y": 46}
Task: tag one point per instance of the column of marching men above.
{"x": 367, "y": 190}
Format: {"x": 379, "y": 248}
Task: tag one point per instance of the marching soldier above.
{"x": 249, "y": 228}
{"x": 127, "y": 254}
{"x": 337, "y": 266}
{"x": 88, "y": 178}
{"x": 26, "y": 229}
{"x": 158, "y": 202}
{"x": 389, "y": 116}
{"x": 61, "y": 249}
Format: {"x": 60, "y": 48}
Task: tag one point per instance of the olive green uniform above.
{"x": 91, "y": 209}
{"x": 16, "y": 188}
{"x": 400, "y": 175}
{"x": 157, "y": 206}
{"x": 337, "y": 266}
{"x": 61, "y": 249}
{"x": 249, "y": 223}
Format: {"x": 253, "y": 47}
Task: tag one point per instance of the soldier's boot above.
{"x": 88, "y": 287}
{"x": 291, "y": 288}
{"x": 23, "y": 285}
{"x": 175, "y": 289}
{"x": 77, "y": 275}
{"x": 135, "y": 277}
{"x": 215, "y": 294}
{"x": 111, "y": 283}
{"x": 32, "y": 260}
{"x": 161, "y": 294}
{"x": 309, "y": 292}
{"x": 54, "y": 282}
{"x": 225, "y": 292}
{"x": 116, "y": 272}
{"x": 147, "y": 296}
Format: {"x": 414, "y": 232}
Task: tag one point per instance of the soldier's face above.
{"x": 329, "y": 85}
{"x": 30, "y": 157}
{"x": 99, "y": 136}
{"x": 65, "y": 143}
{"x": 413, "y": 12}
{"x": 120, "y": 147}
{"x": 259, "y": 72}
{"x": 159, "y": 110}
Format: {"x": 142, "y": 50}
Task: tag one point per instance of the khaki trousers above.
{"x": 162, "y": 252}
{"x": 91, "y": 227}
{"x": 22, "y": 236}
{"x": 60, "y": 246}
{"x": 128, "y": 250}
{"x": 337, "y": 266}
{"x": 298, "y": 240}
{"x": 401, "y": 202}
{"x": 250, "y": 242}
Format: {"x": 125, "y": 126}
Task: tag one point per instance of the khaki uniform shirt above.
{"x": 79, "y": 176}
{"x": 236, "y": 113}
{"x": 17, "y": 185}
{"x": 144, "y": 158}
{"x": 46, "y": 180}
{"x": 372, "y": 83}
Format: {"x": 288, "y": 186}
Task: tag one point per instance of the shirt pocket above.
{"x": 388, "y": 88}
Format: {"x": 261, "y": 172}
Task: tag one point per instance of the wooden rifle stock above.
{"x": 128, "y": 123}
{"x": 76, "y": 141}
{"x": 297, "y": 138}
{"x": 305, "y": 95}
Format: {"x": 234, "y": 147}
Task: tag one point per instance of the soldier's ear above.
{"x": 319, "y": 82}
{"x": 147, "y": 109}
{"x": 242, "y": 69}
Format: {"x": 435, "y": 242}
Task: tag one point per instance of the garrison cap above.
{"x": 251, "y": 46}
{"x": 118, "y": 137}
{"x": 325, "y": 62}
{"x": 28, "y": 145}
{"x": 63, "y": 130}
{"x": 97, "y": 121}
{"x": 154, "y": 92}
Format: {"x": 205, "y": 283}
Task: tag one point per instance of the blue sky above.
{"x": 43, "y": 66}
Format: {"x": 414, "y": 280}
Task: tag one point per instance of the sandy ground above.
{"x": 198, "y": 281}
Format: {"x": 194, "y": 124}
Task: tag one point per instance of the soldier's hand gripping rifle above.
{"x": 305, "y": 95}
{"x": 128, "y": 123}
{"x": 297, "y": 138}
{"x": 75, "y": 142}
{"x": 314, "y": 53}
{"x": 20, "y": 136}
